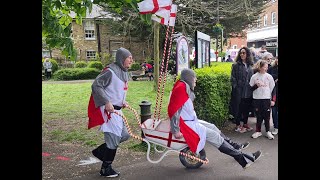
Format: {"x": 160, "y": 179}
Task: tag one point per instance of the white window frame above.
{"x": 89, "y": 30}
{"x": 91, "y": 54}
{"x": 273, "y": 17}
{"x": 274, "y": 1}
{"x": 259, "y": 22}
{"x": 265, "y": 19}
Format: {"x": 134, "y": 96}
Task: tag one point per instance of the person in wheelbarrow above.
{"x": 184, "y": 123}
{"x": 108, "y": 95}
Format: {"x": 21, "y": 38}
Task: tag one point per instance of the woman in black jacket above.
{"x": 241, "y": 98}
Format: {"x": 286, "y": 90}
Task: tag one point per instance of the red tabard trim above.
{"x": 178, "y": 97}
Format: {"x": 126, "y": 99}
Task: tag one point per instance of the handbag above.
{"x": 49, "y": 70}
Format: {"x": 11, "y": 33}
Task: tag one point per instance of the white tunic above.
{"x": 187, "y": 114}
{"x": 116, "y": 93}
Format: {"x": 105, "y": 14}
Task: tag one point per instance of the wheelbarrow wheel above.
{"x": 192, "y": 163}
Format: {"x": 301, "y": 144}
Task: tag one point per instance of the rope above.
{"x": 141, "y": 139}
{"x": 165, "y": 74}
{"x": 160, "y": 77}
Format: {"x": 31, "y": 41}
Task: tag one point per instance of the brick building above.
{"x": 93, "y": 37}
{"x": 266, "y": 30}
{"x": 264, "y": 33}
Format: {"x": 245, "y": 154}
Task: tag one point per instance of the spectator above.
{"x": 241, "y": 98}
{"x": 262, "y": 84}
{"x": 229, "y": 59}
{"x": 47, "y": 68}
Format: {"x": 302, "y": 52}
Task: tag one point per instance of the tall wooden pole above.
{"x": 156, "y": 29}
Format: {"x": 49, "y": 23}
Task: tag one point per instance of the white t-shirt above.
{"x": 264, "y": 91}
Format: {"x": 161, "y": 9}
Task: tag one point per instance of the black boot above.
{"x": 242, "y": 158}
{"x": 106, "y": 155}
{"x": 107, "y": 171}
{"x": 234, "y": 144}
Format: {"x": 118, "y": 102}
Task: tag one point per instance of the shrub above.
{"x": 135, "y": 67}
{"x": 95, "y": 64}
{"x": 213, "y": 92}
{"x": 76, "y": 74}
{"x": 81, "y": 64}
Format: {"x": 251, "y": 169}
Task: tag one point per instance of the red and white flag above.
{"x": 152, "y": 6}
{"x": 165, "y": 17}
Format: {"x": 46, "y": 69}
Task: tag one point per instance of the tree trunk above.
{"x": 156, "y": 29}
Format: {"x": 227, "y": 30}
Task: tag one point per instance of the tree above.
{"x": 56, "y": 22}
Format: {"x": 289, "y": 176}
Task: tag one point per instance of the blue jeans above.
{"x": 275, "y": 116}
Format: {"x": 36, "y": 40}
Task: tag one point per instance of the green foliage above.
{"x": 95, "y": 64}
{"x": 213, "y": 93}
{"x": 222, "y": 54}
{"x": 55, "y": 66}
{"x": 56, "y": 23}
{"x": 106, "y": 59}
{"x": 135, "y": 67}
{"x": 81, "y": 64}
{"x": 76, "y": 74}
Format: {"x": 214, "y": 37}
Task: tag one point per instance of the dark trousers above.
{"x": 275, "y": 116}
{"x": 243, "y": 113}
{"x": 48, "y": 74}
{"x": 262, "y": 108}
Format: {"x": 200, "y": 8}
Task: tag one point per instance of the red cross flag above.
{"x": 164, "y": 16}
{"x": 152, "y": 6}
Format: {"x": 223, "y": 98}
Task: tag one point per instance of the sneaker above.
{"x": 256, "y": 155}
{"x": 256, "y": 135}
{"x": 108, "y": 172}
{"x": 275, "y": 131}
{"x": 248, "y": 128}
{"x": 244, "y": 145}
{"x": 269, "y": 135}
{"x": 247, "y": 165}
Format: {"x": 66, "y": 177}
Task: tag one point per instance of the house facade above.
{"x": 264, "y": 33}
{"x": 94, "y": 37}
{"x": 266, "y": 30}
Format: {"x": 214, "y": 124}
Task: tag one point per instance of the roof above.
{"x": 97, "y": 12}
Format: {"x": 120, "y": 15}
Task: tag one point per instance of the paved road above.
{"x": 220, "y": 166}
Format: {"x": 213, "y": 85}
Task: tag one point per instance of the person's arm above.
{"x": 174, "y": 122}
{"x": 98, "y": 89}
{"x": 233, "y": 76}
{"x": 253, "y": 85}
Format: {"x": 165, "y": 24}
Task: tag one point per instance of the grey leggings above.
{"x": 213, "y": 134}
{"x": 113, "y": 140}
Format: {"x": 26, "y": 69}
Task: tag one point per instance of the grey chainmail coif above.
{"x": 188, "y": 75}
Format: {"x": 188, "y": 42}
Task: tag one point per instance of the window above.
{"x": 273, "y": 17}
{"x": 91, "y": 54}
{"x": 273, "y": 1}
{"x": 265, "y": 18}
{"x": 89, "y": 30}
{"x": 259, "y": 22}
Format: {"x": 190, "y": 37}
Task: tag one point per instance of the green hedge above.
{"x": 76, "y": 74}
{"x": 95, "y": 64}
{"x": 81, "y": 64}
{"x": 213, "y": 92}
{"x": 135, "y": 67}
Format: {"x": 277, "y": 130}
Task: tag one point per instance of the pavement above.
{"x": 133, "y": 165}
